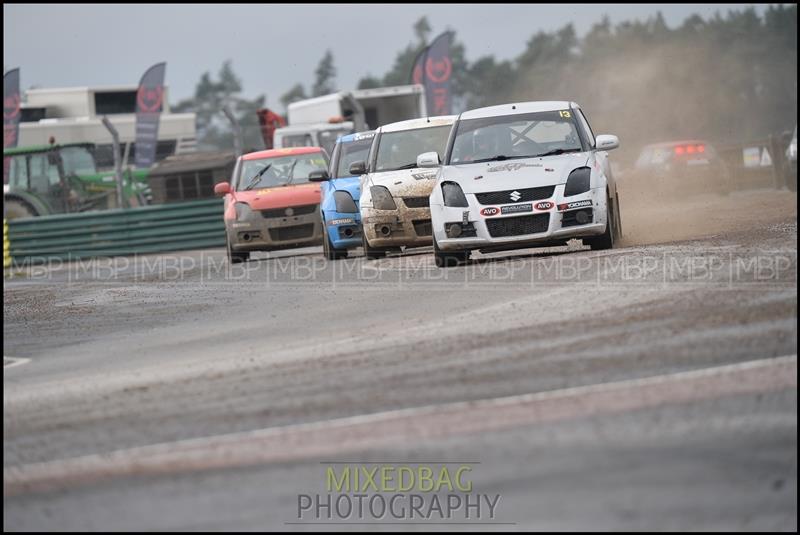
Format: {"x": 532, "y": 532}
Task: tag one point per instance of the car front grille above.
{"x": 522, "y": 195}
{"x": 416, "y": 202}
{"x": 422, "y": 227}
{"x": 296, "y": 210}
{"x": 518, "y": 226}
{"x": 296, "y": 232}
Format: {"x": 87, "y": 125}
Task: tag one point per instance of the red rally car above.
{"x": 270, "y": 203}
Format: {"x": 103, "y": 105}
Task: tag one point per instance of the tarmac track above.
{"x": 653, "y": 386}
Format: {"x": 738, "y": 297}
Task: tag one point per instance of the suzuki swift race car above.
{"x": 394, "y": 192}
{"x": 270, "y": 204}
{"x": 522, "y": 175}
{"x": 341, "y": 219}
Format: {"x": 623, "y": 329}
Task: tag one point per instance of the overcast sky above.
{"x": 272, "y": 46}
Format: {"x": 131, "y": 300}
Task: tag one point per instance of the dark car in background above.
{"x": 684, "y": 167}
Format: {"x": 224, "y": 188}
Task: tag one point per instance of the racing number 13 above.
{"x": 564, "y": 114}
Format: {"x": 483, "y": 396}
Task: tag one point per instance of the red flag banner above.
{"x": 149, "y": 104}
{"x": 11, "y": 115}
{"x": 437, "y": 74}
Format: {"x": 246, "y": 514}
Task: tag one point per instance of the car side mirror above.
{"x": 606, "y": 142}
{"x": 358, "y": 168}
{"x": 223, "y": 188}
{"x": 428, "y": 159}
{"x": 318, "y": 175}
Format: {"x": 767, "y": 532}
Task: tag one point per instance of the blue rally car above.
{"x": 340, "y": 194}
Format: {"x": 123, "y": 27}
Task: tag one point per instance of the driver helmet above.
{"x": 483, "y": 142}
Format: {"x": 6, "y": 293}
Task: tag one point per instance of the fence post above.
{"x": 237, "y": 130}
{"x": 117, "y": 161}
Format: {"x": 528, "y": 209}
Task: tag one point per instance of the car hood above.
{"x": 415, "y": 182}
{"x": 351, "y": 185}
{"x": 522, "y": 173}
{"x": 280, "y": 196}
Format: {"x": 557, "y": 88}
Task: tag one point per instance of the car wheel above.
{"x": 448, "y": 259}
{"x": 15, "y": 209}
{"x": 618, "y": 216}
{"x": 605, "y": 240}
{"x": 330, "y": 252}
{"x": 236, "y": 257}
{"x": 371, "y": 252}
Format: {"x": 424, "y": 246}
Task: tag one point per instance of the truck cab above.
{"x": 319, "y": 121}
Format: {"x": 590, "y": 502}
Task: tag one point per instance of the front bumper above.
{"x": 344, "y": 229}
{"x": 409, "y": 227}
{"x": 260, "y": 233}
{"x": 552, "y": 226}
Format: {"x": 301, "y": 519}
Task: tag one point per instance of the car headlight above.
{"x": 578, "y": 181}
{"x": 344, "y": 202}
{"x": 453, "y": 195}
{"x": 381, "y": 198}
{"x": 242, "y": 210}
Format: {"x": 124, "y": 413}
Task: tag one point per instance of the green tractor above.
{"x": 62, "y": 179}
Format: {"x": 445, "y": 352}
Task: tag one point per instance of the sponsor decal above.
{"x": 517, "y": 208}
{"x": 549, "y": 169}
{"x": 424, "y": 176}
{"x": 490, "y": 211}
{"x": 478, "y": 177}
{"x": 342, "y": 221}
{"x": 512, "y": 166}
{"x": 368, "y": 135}
{"x": 575, "y": 204}
{"x": 544, "y": 205}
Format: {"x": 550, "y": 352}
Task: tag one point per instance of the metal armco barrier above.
{"x": 147, "y": 229}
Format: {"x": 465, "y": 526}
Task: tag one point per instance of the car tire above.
{"x": 236, "y": 257}
{"x": 18, "y": 209}
{"x": 607, "y": 239}
{"x": 371, "y": 252}
{"x": 448, "y": 259}
{"x": 331, "y": 253}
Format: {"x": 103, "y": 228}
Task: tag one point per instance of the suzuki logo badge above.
{"x": 515, "y": 196}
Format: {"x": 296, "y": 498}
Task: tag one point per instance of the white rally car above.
{"x": 522, "y": 175}
{"x": 394, "y": 190}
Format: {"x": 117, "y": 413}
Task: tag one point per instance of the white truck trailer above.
{"x": 319, "y": 121}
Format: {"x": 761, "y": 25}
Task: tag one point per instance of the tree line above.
{"x": 729, "y": 78}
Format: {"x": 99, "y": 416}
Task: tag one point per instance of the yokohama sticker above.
{"x": 574, "y": 205}
{"x": 343, "y": 221}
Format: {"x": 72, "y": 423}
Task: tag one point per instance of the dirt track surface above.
{"x": 651, "y": 385}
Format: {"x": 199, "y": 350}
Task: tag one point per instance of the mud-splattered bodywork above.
{"x": 408, "y": 223}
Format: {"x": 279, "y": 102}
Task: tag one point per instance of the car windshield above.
{"x": 279, "y": 171}
{"x": 515, "y": 136}
{"x": 399, "y": 150}
{"x": 327, "y": 138}
{"x": 350, "y": 152}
